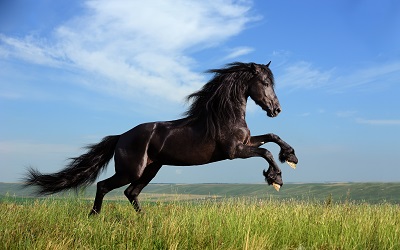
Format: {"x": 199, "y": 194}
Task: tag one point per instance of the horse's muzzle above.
{"x": 274, "y": 113}
{"x": 277, "y": 111}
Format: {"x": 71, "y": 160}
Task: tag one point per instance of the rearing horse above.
{"x": 213, "y": 129}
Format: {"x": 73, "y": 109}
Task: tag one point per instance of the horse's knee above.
{"x": 268, "y": 155}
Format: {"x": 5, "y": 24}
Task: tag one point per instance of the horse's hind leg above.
{"x": 105, "y": 186}
{"x": 134, "y": 189}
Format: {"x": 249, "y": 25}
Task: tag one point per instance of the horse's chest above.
{"x": 242, "y": 135}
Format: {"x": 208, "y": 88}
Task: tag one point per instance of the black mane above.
{"x": 218, "y": 101}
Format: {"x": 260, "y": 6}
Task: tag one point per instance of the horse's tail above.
{"x": 81, "y": 171}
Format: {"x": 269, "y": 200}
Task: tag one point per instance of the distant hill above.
{"x": 337, "y": 192}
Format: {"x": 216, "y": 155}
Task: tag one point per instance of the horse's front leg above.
{"x": 273, "y": 178}
{"x": 274, "y": 174}
{"x": 286, "y": 154}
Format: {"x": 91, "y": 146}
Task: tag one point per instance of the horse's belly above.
{"x": 184, "y": 150}
{"x": 188, "y": 154}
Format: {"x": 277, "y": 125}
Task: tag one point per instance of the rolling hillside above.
{"x": 338, "y": 192}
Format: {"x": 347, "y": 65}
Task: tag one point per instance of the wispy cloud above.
{"x": 137, "y": 44}
{"x": 237, "y": 52}
{"x": 31, "y": 50}
{"x": 378, "y": 122}
{"x": 303, "y": 75}
{"x": 373, "y": 76}
{"x": 305, "y": 114}
{"x": 346, "y": 113}
{"x": 352, "y": 115}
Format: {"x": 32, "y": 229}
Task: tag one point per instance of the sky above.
{"x": 73, "y": 72}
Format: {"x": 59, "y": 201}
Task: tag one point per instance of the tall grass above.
{"x": 240, "y": 223}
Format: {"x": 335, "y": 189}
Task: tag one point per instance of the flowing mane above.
{"x": 216, "y": 103}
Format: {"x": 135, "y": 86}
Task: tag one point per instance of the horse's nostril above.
{"x": 278, "y": 110}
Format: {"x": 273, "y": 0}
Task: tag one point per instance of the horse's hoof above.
{"x": 93, "y": 213}
{"x": 291, "y": 164}
{"x": 276, "y": 186}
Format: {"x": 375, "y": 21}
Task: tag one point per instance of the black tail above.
{"x": 81, "y": 171}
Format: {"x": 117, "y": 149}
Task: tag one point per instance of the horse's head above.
{"x": 261, "y": 89}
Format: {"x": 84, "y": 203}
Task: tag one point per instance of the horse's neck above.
{"x": 240, "y": 113}
{"x": 242, "y": 110}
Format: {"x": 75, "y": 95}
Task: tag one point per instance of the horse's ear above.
{"x": 268, "y": 63}
{"x": 254, "y": 68}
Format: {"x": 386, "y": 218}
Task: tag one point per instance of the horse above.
{"x": 212, "y": 129}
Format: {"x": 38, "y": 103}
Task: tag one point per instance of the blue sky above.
{"x": 72, "y": 72}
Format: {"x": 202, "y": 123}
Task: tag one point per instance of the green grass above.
{"x": 228, "y": 223}
{"x": 207, "y": 216}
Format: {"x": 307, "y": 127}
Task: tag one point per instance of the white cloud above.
{"x": 346, "y": 113}
{"x": 238, "y": 51}
{"x": 303, "y": 75}
{"x": 378, "y": 122}
{"x": 352, "y": 115}
{"x": 375, "y": 76}
{"x": 29, "y": 49}
{"x": 136, "y": 44}
{"x": 305, "y": 114}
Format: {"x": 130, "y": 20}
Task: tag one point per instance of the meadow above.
{"x": 181, "y": 220}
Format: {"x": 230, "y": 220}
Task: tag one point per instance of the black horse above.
{"x": 213, "y": 129}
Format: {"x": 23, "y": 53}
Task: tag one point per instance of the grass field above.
{"x": 231, "y": 223}
{"x": 218, "y": 220}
